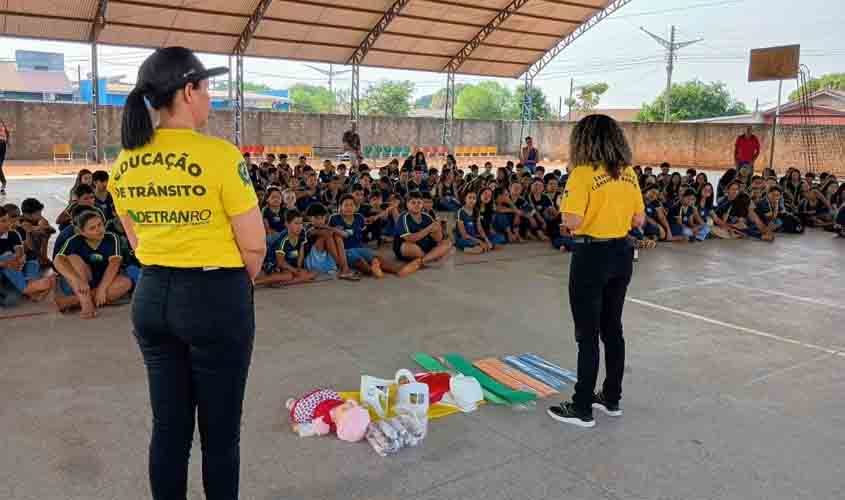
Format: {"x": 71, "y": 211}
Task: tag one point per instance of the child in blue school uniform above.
{"x": 486, "y": 214}
{"x": 469, "y": 234}
{"x": 683, "y": 220}
{"x": 18, "y": 277}
{"x": 273, "y": 214}
{"x": 38, "y": 230}
{"x": 90, "y": 267}
{"x": 421, "y": 239}
{"x": 102, "y": 197}
{"x": 352, "y": 224}
{"x": 284, "y": 263}
{"x": 506, "y": 219}
{"x": 326, "y": 254}
{"x": 656, "y": 225}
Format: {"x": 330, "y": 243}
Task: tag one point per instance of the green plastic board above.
{"x": 432, "y": 364}
{"x": 465, "y": 367}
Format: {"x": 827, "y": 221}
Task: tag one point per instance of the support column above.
{"x": 527, "y": 110}
{"x": 449, "y": 115}
{"x": 238, "y": 102}
{"x": 95, "y": 102}
{"x": 355, "y": 96}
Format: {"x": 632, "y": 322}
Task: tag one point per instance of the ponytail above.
{"x": 137, "y": 127}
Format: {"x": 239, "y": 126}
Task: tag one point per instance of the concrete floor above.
{"x": 736, "y": 370}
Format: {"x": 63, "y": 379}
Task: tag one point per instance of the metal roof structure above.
{"x": 497, "y": 38}
{"x": 493, "y": 38}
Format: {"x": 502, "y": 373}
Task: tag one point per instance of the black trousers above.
{"x": 2, "y": 159}
{"x": 599, "y": 274}
{"x": 195, "y": 330}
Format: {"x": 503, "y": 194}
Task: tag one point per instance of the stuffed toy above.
{"x": 322, "y": 411}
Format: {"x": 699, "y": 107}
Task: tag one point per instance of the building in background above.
{"x": 113, "y": 92}
{"x": 35, "y": 76}
{"x": 826, "y": 107}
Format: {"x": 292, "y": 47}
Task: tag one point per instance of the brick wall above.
{"x": 36, "y": 127}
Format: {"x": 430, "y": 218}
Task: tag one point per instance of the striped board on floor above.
{"x": 548, "y": 366}
{"x": 513, "y": 378}
{"x": 546, "y": 377}
{"x": 462, "y": 365}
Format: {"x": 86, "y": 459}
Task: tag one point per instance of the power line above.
{"x": 671, "y": 48}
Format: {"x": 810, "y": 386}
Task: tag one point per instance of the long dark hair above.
{"x": 708, "y": 204}
{"x": 137, "y": 126}
{"x": 598, "y": 140}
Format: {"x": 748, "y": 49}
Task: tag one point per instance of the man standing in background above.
{"x": 352, "y": 145}
{"x": 746, "y": 149}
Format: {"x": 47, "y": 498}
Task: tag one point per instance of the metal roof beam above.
{"x": 99, "y": 20}
{"x": 593, "y": 20}
{"x": 251, "y": 26}
{"x": 455, "y": 63}
{"x": 360, "y": 53}
{"x": 453, "y": 3}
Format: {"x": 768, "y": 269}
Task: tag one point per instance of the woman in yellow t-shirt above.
{"x": 602, "y": 203}
{"x": 190, "y": 212}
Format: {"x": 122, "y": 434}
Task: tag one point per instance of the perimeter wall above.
{"x": 35, "y": 127}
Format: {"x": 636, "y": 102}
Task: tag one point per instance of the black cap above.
{"x": 171, "y": 68}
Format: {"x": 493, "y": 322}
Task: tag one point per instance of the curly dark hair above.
{"x": 598, "y": 140}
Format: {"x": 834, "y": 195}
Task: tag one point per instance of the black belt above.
{"x": 588, "y": 240}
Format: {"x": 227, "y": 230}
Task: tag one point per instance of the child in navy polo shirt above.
{"x": 89, "y": 263}
{"x": 84, "y": 195}
{"x": 656, "y": 225}
{"x": 506, "y": 219}
{"x": 352, "y": 224}
{"x": 17, "y": 275}
{"x": 469, "y": 235}
{"x": 420, "y": 240}
{"x": 682, "y": 220}
{"x": 284, "y": 263}
{"x": 37, "y": 228}
{"x": 102, "y": 197}
{"x": 273, "y": 214}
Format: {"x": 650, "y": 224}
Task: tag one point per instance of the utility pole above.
{"x": 560, "y": 109}
{"x": 571, "y": 93}
{"x": 671, "y": 48}
{"x": 330, "y": 74}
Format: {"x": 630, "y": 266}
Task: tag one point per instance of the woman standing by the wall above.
{"x": 189, "y": 209}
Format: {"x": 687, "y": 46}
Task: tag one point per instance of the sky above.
{"x": 615, "y": 51}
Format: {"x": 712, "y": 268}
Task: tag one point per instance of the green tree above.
{"x": 692, "y": 101}
{"x": 835, "y": 81}
{"x": 485, "y": 101}
{"x": 390, "y": 98}
{"x": 311, "y": 99}
{"x": 540, "y": 108}
{"x": 437, "y": 100}
{"x": 588, "y": 96}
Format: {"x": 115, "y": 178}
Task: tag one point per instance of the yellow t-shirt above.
{"x": 606, "y": 204}
{"x": 180, "y": 191}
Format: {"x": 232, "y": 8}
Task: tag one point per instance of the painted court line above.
{"x": 716, "y": 281}
{"x": 789, "y": 296}
{"x": 752, "y": 331}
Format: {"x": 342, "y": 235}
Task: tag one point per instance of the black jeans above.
{"x": 195, "y": 330}
{"x": 599, "y": 274}
{"x": 2, "y": 159}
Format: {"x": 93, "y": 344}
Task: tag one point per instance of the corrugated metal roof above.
{"x": 47, "y": 82}
{"x": 425, "y": 35}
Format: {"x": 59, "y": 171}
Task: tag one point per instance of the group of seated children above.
{"x": 689, "y": 208}
{"x": 335, "y": 222}
{"x": 92, "y": 261}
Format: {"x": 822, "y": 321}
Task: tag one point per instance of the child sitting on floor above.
{"x": 37, "y": 228}
{"x": 17, "y": 275}
{"x": 506, "y": 221}
{"x": 284, "y": 263}
{"x": 682, "y": 220}
{"x": 469, "y": 235}
{"x": 486, "y": 215}
{"x": 420, "y": 240}
{"x": 102, "y": 197}
{"x": 89, "y": 263}
{"x": 352, "y": 225}
{"x": 815, "y": 210}
{"x": 656, "y": 224}
{"x": 273, "y": 214}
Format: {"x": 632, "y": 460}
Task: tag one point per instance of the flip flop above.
{"x": 349, "y": 276}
